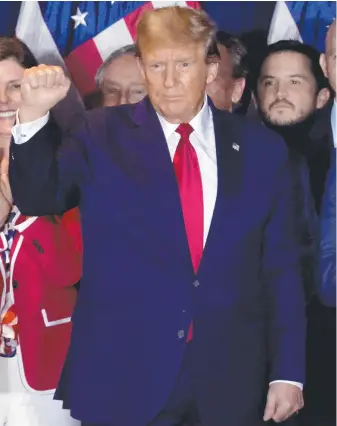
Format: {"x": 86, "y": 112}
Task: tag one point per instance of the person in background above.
{"x": 292, "y": 94}
{"x": 326, "y": 288}
{"x": 290, "y": 87}
{"x": 119, "y": 80}
{"x": 227, "y": 89}
{"x": 40, "y": 262}
{"x": 183, "y": 330}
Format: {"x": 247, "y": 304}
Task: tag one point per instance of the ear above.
{"x": 322, "y": 62}
{"x": 239, "y": 87}
{"x": 322, "y": 98}
{"x": 141, "y": 67}
{"x": 212, "y": 72}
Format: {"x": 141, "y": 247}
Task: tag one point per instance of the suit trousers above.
{"x": 180, "y": 409}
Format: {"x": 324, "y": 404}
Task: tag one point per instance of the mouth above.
{"x": 7, "y": 114}
{"x": 173, "y": 98}
{"x": 281, "y": 106}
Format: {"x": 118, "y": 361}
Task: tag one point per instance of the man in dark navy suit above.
{"x": 291, "y": 94}
{"x": 191, "y": 307}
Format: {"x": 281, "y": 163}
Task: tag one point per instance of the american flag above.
{"x": 80, "y": 35}
{"x": 83, "y": 34}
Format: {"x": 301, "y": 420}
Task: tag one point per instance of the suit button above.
{"x": 15, "y": 284}
{"x": 196, "y": 283}
{"x": 181, "y": 334}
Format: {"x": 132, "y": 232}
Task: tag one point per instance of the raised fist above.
{"x": 42, "y": 87}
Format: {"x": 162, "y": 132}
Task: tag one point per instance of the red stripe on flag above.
{"x": 193, "y": 4}
{"x": 83, "y": 63}
{"x": 132, "y": 18}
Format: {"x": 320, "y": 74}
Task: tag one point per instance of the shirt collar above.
{"x": 333, "y": 123}
{"x": 199, "y": 123}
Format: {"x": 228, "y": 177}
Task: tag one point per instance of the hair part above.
{"x": 297, "y": 47}
{"x": 13, "y": 48}
{"x": 237, "y": 52}
{"x": 176, "y": 25}
{"x": 129, "y": 49}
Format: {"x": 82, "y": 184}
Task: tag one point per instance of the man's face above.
{"x": 122, "y": 82}
{"x": 176, "y": 79}
{"x": 328, "y": 61}
{"x": 225, "y": 90}
{"x": 287, "y": 92}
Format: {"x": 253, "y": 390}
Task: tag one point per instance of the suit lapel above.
{"x": 229, "y": 172}
{"x": 229, "y": 154}
{"x": 165, "y": 217}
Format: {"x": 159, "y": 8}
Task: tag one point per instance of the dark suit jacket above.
{"x": 139, "y": 292}
{"x": 320, "y": 146}
{"x": 326, "y": 288}
{"x": 306, "y": 221}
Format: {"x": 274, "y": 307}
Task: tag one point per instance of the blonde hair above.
{"x": 172, "y": 26}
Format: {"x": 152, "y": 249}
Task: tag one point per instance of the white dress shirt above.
{"x": 203, "y": 141}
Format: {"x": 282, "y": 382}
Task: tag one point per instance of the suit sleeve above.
{"x": 306, "y": 223}
{"x": 281, "y": 266}
{"x": 326, "y": 280}
{"x": 46, "y": 171}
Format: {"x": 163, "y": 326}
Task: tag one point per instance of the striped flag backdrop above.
{"x": 80, "y": 35}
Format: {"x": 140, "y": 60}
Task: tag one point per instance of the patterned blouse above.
{"x": 8, "y": 317}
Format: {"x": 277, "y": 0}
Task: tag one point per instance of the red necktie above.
{"x": 188, "y": 174}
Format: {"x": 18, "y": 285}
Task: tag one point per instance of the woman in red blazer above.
{"x": 40, "y": 263}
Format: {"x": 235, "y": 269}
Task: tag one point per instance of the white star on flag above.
{"x": 79, "y": 18}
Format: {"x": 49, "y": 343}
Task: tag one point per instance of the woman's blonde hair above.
{"x": 176, "y": 26}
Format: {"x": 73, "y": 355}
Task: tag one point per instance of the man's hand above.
{"x": 283, "y": 400}
{"x": 42, "y": 88}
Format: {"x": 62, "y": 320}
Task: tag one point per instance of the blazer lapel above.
{"x": 229, "y": 154}
{"x": 229, "y": 171}
{"x": 165, "y": 217}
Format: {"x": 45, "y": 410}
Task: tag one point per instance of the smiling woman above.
{"x": 36, "y": 294}
{"x": 14, "y": 58}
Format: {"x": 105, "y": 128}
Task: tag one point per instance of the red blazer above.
{"x": 46, "y": 262}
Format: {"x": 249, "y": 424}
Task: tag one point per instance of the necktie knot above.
{"x": 184, "y": 130}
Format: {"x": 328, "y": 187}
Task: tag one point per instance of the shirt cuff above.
{"x": 25, "y": 131}
{"x": 299, "y": 385}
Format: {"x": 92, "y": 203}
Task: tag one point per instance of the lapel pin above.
{"x": 236, "y": 147}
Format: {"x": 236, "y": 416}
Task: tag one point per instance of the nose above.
{"x": 123, "y": 100}
{"x": 281, "y": 90}
{"x": 169, "y": 76}
{"x": 3, "y": 96}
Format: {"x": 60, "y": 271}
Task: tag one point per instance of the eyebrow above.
{"x": 303, "y": 77}
{"x": 265, "y": 77}
{"x": 108, "y": 82}
{"x": 184, "y": 59}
